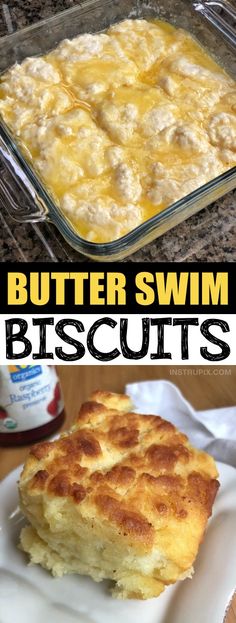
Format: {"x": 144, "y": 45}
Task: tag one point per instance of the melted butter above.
{"x": 152, "y": 91}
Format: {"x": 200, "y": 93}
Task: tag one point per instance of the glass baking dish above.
{"x": 211, "y": 23}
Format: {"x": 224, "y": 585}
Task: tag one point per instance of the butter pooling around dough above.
{"x": 121, "y": 496}
{"x": 97, "y": 114}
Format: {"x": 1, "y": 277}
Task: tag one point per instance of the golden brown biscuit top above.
{"x": 136, "y": 471}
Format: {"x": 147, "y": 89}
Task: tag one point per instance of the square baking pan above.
{"x": 27, "y": 200}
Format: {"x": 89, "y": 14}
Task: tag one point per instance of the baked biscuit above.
{"x": 121, "y": 496}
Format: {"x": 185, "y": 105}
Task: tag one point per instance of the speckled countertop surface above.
{"x": 208, "y": 236}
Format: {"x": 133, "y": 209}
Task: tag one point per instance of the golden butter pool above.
{"x": 121, "y": 124}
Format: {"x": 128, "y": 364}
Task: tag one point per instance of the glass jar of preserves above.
{"x": 31, "y": 403}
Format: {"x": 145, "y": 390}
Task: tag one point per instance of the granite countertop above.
{"x": 210, "y": 235}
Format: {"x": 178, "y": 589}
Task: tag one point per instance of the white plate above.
{"x": 30, "y": 593}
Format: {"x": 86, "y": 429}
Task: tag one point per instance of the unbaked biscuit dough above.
{"x": 121, "y": 124}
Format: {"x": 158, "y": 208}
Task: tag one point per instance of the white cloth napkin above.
{"x": 213, "y": 430}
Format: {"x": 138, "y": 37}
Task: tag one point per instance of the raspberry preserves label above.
{"x": 30, "y": 396}
{"x": 23, "y": 373}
